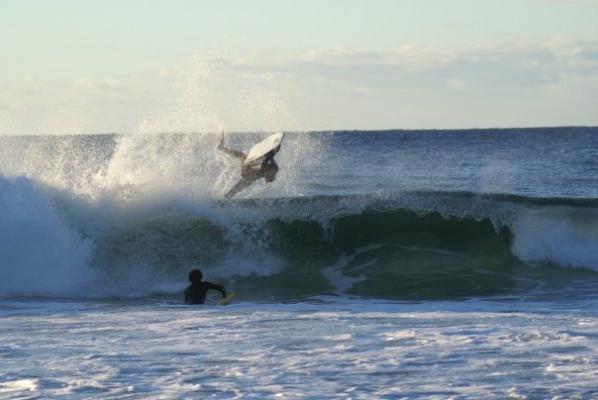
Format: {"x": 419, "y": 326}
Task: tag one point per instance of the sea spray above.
{"x": 40, "y": 254}
{"x": 142, "y": 209}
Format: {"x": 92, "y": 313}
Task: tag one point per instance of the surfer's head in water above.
{"x": 195, "y": 276}
{"x": 196, "y": 291}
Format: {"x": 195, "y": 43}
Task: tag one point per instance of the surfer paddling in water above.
{"x": 197, "y": 290}
{"x": 258, "y": 163}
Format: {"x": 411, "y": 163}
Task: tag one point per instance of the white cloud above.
{"x": 491, "y": 65}
{"x": 506, "y": 63}
{"x": 84, "y": 83}
{"x": 553, "y": 82}
{"x": 111, "y": 83}
{"x": 584, "y": 2}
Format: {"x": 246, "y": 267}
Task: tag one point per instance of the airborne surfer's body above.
{"x": 264, "y": 167}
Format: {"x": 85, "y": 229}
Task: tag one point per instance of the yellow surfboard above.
{"x": 229, "y": 297}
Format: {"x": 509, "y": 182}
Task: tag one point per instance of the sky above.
{"x": 82, "y": 66}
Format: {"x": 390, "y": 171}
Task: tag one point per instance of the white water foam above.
{"x": 40, "y": 254}
{"x": 330, "y": 348}
{"x": 558, "y": 237}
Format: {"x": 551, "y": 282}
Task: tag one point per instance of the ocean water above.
{"x": 395, "y": 264}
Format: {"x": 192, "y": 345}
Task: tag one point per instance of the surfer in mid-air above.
{"x": 262, "y": 167}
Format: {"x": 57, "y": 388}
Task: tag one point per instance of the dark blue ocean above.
{"x": 392, "y": 264}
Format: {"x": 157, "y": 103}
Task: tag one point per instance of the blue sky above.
{"x": 148, "y": 66}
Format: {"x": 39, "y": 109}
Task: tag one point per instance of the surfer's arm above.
{"x": 231, "y": 152}
{"x": 235, "y": 153}
{"x": 219, "y": 288}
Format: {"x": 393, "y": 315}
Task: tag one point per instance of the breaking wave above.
{"x": 399, "y": 245}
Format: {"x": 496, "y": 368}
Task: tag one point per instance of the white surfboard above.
{"x": 262, "y": 148}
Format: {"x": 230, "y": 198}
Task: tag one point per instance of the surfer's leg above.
{"x": 242, "y": 184}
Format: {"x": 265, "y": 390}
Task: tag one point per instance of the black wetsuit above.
{"x": 256, "y": 171}
{"x": 196, "y": 292}
{"x": 252, "y": 172}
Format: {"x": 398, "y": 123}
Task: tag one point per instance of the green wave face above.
{"x": 383, "y": 252}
